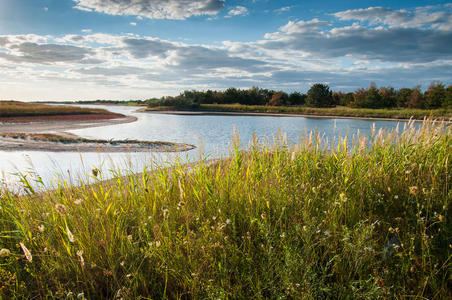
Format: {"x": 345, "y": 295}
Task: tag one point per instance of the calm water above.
{"x": 211, "y": 134}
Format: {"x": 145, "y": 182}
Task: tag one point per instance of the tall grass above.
{"x": 20, "y": 109}
{"x": 310, "y": 221}
{"x": 343, "y": 111}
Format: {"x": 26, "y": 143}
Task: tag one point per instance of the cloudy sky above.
{"x": 136, "y": 49}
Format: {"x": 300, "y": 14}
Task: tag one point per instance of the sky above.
{"x": 59, "y": 50}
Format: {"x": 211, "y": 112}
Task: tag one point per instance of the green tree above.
{"x": 297, "y": 98}
{"x": 416, "y": 98}
{"x": 388, "y": 96}
{"x": 435, "y": 95}
{"x": 448, "y": 101}
{"x": 319, "y": 95}
{"x": 402, "y": 97}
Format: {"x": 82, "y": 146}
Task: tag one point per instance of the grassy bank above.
{"x": 273, "y": 222}
{"x": 21, "y": 109}
{"x": 334, "y": 111}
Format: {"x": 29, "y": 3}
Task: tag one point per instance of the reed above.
{"x": 366, "y": 219}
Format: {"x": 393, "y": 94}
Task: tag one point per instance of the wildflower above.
{"x": 122, "y": 263}
{"x": 228, "y": 221}
{"x": 41, "y": 228}
{"x": 78, "y": 201}
{"x": 441, "y": 218}
{"x": 5, "y": 253}
{"x": 80, "y": 257}
{"x": 70, "y": 235}
{"x": 157, "y": 244}
{"x": 61, "y": 209}
{"x": 396, "y": 197}
{"x": 129, "y": 237}
{"x": 343, "y": 197}
{"x": 414, "y": 190}
{"x": 282, "y": 235}
{"x": 26, "y": 252}
{"x": 165, "y": 213}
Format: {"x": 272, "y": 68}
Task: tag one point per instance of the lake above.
{"x": 211, "y": 134}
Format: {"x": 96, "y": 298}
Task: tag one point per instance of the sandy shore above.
{"x": 58, "y": 126}
{"x": 52, "y": 125}
{"x": 10, "y": 144}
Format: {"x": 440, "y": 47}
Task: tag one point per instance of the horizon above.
{"x": 71, "y": 50}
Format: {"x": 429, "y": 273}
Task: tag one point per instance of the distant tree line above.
{"x": 319, "y": 95}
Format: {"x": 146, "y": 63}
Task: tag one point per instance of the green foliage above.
{"x": 416, "y": 99}
{"x": 448, "y": 100}
{"x": 403, "y": 96}
{"x": 319, "y": 95}
{"x": 435, "y": 95}
{"x": 361, "y": 219}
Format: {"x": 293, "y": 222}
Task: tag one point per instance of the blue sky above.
{"x": 136, "y": 49}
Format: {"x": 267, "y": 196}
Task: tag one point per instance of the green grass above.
{"x": 368, "y": 221}
{"x": 21, "y": 109}
{"x": 335, "y": 111}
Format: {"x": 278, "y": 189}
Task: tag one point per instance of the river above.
{"x": 211, "y": 134}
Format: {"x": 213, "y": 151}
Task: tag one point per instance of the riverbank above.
{"x": 370, "y": 221}
{"x": 335, "y": 112}
{"x": 25, "y": 133}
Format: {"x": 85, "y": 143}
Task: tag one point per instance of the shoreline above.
{"x": 59, "y": 127}
{"x": 269, "y": 114}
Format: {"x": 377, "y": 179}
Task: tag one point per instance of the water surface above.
{"x": 211, "y": 134}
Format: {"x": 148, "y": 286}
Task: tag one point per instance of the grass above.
{"x": 49, "y": 137}
{"x": 334, "y": 111}
{"x": 367, "y": 221}
{"x": 21, "y": 109}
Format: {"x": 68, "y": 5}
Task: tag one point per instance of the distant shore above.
{"x": 267, "y": 114}
{"x": 307, "y": 112}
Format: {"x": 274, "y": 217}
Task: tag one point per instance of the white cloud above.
{"x": 87, "y": 30}
{"x": 153, "y": 9}
{"x": 133, "y": 23}
{"x": 283, "y": 9}
{"x": 46, "y": 9}
{"x": 293, "y": 57}
{"x": 238, "y": 11}
{"x": 420, "y": 17}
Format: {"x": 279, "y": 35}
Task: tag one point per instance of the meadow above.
{"x": 361, "y": 219}
{"x": 21, "y": 109}
{"x": 342, "y": 111}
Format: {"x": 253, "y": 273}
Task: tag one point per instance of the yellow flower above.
{"x": 414, "y": 190}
